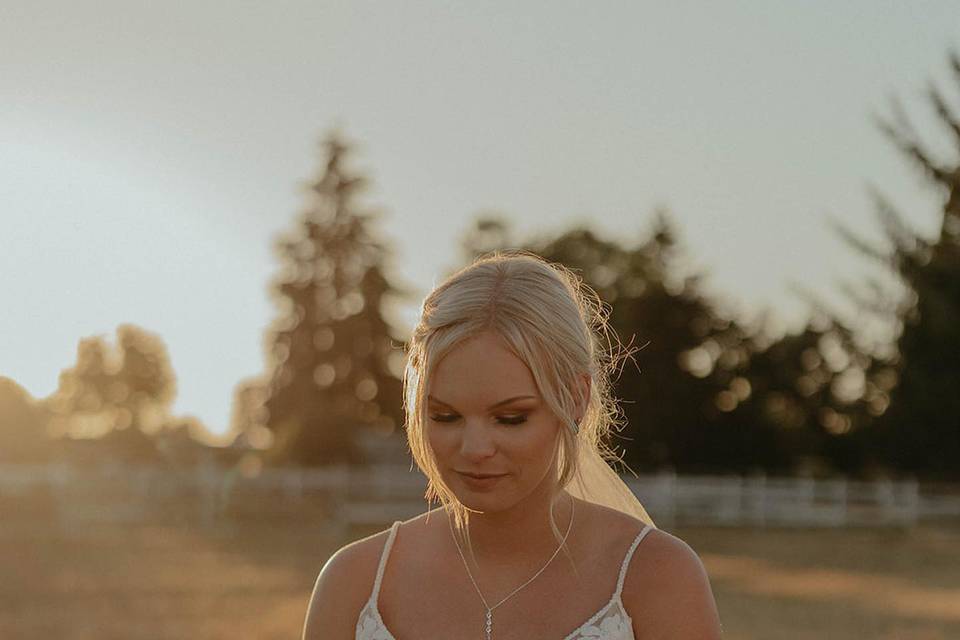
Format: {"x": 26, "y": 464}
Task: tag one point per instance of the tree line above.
{"x": 700, "y": 391}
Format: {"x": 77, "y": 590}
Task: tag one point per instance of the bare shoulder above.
{"x": 342, "y": 588}
{"x": 667, "y": 591}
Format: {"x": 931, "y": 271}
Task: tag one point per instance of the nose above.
{"x": 477, "y": 442}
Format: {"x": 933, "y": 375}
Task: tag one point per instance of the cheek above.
{"x": 440, "y": 440}
{"x": 536, "y": 446}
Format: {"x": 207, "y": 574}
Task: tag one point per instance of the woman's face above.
{"x": 485, "y": 417}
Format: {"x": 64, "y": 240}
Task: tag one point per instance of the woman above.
{"x": 507, "y": 409}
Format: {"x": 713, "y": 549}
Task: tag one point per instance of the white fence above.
{"x": 342, "y": 496}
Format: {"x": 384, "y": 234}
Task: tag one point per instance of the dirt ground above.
{"x": 253, "y": 580}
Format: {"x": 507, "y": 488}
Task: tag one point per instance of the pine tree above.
{"x": 913, "y": 392}
{"x": 330, "y": 350}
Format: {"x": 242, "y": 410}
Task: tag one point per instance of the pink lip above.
{"x": 480, "y": 476}
{"x": 481, "y": 482}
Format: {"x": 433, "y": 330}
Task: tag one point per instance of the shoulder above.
{"x": 342, "y": 589}
{"x": 667, "y": 592}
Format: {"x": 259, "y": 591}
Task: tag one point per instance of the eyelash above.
{"x": 506, "y": 420}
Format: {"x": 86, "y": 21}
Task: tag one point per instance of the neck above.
{"x": 522, "y": 533}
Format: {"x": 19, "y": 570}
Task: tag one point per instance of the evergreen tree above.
{"x": 329, "y": 351}
{"x": 912, "y": 393}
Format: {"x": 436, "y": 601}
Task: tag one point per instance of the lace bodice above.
{"x": 611, "y": 622}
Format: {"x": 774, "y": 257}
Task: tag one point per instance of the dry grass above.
{"x": 253, "y": 581}
{"x": 855, "y": 583}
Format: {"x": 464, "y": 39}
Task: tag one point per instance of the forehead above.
{"x": 481, "y": 369}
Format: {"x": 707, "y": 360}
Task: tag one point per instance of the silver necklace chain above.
{"x": 489, "y": 616}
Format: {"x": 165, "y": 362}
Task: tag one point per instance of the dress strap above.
{"x": 626, "y": 560}
{"x": 383, "y": 560}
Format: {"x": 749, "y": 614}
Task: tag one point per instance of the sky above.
{"x": 151, "y": 152}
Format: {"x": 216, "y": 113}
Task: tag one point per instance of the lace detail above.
{"x": 606, "y": 624}
{"x": 370, "y": 626}
{"x": 609, "y": 623}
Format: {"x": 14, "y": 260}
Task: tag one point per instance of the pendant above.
{"x": 489, "y": 622}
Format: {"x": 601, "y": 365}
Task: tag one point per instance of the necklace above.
{"x": 489, "y": 616}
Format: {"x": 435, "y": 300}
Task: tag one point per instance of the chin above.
{"x": 495, "y": 497}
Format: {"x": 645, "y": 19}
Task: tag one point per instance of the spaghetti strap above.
{"x": 383, "y": 561}
{"x": 626, "y": 560}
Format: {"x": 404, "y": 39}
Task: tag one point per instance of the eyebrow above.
{"x": 491, "y": 407}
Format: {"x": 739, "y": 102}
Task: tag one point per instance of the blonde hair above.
{"x": 551, "y": 321}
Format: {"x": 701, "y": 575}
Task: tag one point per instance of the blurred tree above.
{"x": 79, "y": 405}
{"x": 490, "y": 232}
{"x": 132, "y": 385}
{"x": 183, "y": 440}
{"x": 128, "y": 446}
{"x": 675, "y": 396}
{"x": 145, "y": 385}
{"x": 912, "y": 392}
{"x": 328, "y": 351}
{"x": 803, "y": 385}
{"x": 248, "y": 415}
{"x": 23, "y": 425}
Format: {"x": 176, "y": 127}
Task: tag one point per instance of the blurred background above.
{"x": 218, "y": 220}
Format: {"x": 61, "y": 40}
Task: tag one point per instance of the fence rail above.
{"x": 345, "y": 496}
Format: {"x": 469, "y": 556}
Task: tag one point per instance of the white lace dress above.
{"x": 611, "y": 622}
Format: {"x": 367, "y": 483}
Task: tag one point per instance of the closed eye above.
{"x": 452, "y": 417}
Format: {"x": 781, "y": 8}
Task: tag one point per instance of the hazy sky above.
{"x": 149, "y": 152}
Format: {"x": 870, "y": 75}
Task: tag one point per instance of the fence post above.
{"x": 758, "y": 495}
{"x": 808, "y": 485}
{"x": 883, "y": 492}
{"x": 670, "y": 485}
{"x": 910, "y": 493}
{"x": 206, "y": 478}
{"x": 293, "y": 483}
{"x": 742, "y": 510}
{"x": 58, "y": 478}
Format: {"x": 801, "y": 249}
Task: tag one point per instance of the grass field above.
{"x": 252, "y": 580}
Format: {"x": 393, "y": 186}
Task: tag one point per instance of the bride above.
{"x": 507, "y": 408}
